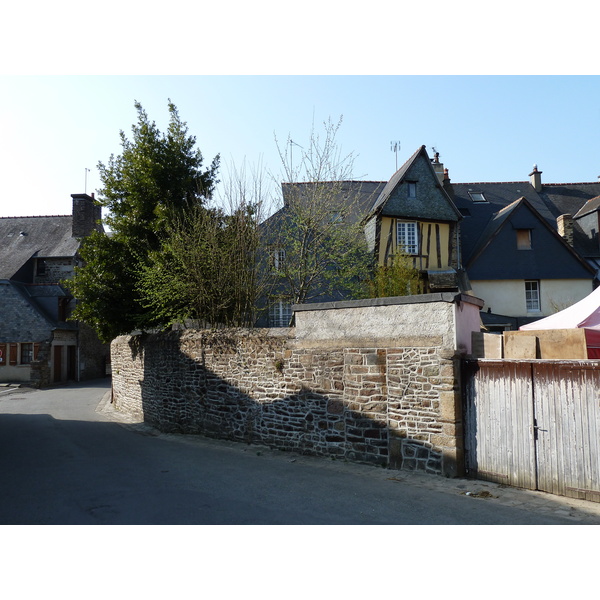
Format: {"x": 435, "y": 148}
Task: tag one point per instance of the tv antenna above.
{"x": 394, "y": 147}
{"x": 292, "y": 144}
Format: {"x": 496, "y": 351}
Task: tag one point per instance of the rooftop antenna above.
{"x": 292, "y": 143}
{"x": 394, "y": 147}
{"x": 85, "y": 187}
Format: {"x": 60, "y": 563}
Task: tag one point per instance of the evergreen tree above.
{"x": 155, "y": 180}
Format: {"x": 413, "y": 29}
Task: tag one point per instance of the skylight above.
{"x": 477, "y": 197}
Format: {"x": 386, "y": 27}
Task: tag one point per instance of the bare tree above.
{"x": 317, "y": 243}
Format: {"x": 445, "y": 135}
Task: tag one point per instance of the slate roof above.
{"x": 438, "y": 206}
{"x": 24, "y": 237}
{"x": 502, "y": 260}
{"x": 552, "y": 201}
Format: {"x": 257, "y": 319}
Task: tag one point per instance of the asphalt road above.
{"x": 66, "y": 457}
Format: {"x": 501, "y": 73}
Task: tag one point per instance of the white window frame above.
{"x": 407, "y": 237}
{"x": 533, "y": 301}
{"x": 280, "y": 313}
{"x": 278, "y": 258}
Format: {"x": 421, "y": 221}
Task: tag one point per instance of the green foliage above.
{"x": 398, "y": 278}
{"x": 105, "y": 287}
{"x": 156, "y": 179}
{"x": 204, "y": 269}
{"x": 318, "y": 226}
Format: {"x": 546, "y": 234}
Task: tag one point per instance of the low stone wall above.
{"x": 385, "y": 391}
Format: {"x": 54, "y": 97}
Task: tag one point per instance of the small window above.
{"x": 477, "y": 197}
{"x": 41, "y": 267}
{"x": 26, "y": 353}
{"x": 465, "y": 212}
{"x": 532, "y": 296}
{"x": 411, "y": 189}
{"x": 407, "y": 237}
{"x": 524, "y": 239}
{"x": 278, "y": 258}
{"x": 280, "y": 313}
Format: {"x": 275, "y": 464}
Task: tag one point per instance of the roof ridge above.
{"x": 35, "y": 216}
{"x": 488, "y": 182}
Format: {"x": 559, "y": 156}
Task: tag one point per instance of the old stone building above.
{"x": 38, "y": 344}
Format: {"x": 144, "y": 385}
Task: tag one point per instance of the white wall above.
{"x": 507, "y": 297}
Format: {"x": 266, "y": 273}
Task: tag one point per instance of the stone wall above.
{"x": 383, "y": 391}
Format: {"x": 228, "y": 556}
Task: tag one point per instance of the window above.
{"x": 532, "y": 296}
{"x": 524, "y": 239}
{"x": 280, "y": 313}
{"x": 477, "y": 197}
{"x": 26, "y": 353}
{"x": 407, "y": 237}
{"x": 411, "y": 189}
{"x": 41, "y": 267}
{"x": 278, "y": 258}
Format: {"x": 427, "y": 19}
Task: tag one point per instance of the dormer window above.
{"x": 524, "y": 239}
{"x": 477, "y": 197}
{"x": 411, "y": 189}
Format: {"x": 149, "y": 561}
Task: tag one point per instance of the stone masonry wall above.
{"x": 391, "y": 401}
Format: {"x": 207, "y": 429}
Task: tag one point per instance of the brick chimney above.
{"x": 535, "y": 178}
{"x": 447, "y": 185}
{"x": 438, "y": 167}
{"x": 565, "y": 228}
{"x": 86, "y": 215}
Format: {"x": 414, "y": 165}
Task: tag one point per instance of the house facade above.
{"x": 527, "y": 248}
{"x": 526, "y": 254}
{"x": 38, "y": 344}
{"x": 414, "y": 216}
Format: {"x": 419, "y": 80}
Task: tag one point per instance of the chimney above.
{"x": 86, "y": 215}
{"x": 565, "y": 228}
{"x": 438, "y": 167}
{"x": 535, "y": 178}
{"x": 447, "y": 185}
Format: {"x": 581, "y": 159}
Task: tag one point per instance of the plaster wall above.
{"x": 507, "y": 297}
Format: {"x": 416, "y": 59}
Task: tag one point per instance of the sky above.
{"x": 56, "y": 128}
{"x": 494, "y": 92}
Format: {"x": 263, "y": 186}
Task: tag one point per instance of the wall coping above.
{"x": 450, "y": 297}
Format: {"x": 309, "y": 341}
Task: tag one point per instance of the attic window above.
{"x": 524, "y": 239}
{"x": 465, "y": 212}
{"x": 477, "y": 197}
{"x": 411, "y": 189}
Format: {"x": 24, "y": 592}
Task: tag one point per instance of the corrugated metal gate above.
{"x": 534, "y": 424}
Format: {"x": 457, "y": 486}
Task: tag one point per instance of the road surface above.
{"x": 66, "y": 457}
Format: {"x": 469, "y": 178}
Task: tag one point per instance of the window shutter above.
{"x": 36, "y": 349}
{"x": 2, "y": 355}
{"x": 13, "y": 354}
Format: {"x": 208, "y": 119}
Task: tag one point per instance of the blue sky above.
{"x": 493, "y": 91}
{"x": 486, "y": 128}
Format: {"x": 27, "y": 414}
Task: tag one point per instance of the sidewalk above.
{"x": 577, "y": 511}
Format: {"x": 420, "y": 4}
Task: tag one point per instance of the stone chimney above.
{"x": 565, "y": 228}
{"x": 447, "y": 185}
{"x": 86, "y": 215}
{"x": 438, "y": 167}
{"x": 535, "y": 178}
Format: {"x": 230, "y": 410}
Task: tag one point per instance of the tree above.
{"x": 154, "y": 181}
{"x": 398, "y": 278}
{"x": 317, "y": 241}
